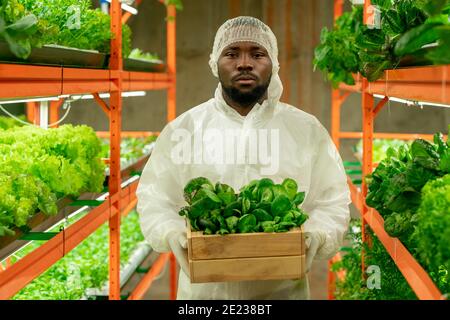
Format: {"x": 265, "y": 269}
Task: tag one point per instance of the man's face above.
{"x": 245, "y": 70}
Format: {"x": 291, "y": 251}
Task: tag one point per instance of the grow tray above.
{"x": 41, "y": 222}
{"x": 38, "y": 224}
{"x": 130, "y": 64}
{"x": 52, "y": 55}
{"x": 246, "y": 256}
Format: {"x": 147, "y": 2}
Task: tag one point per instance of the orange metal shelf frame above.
{"x": 427, "y": 84}
{"x": 20, "y": 81}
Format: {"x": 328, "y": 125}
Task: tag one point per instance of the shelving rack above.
{"x": 17, "y": 81}
{"x": 428, "y": 84}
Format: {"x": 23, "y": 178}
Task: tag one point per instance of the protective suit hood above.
{"x": 249, "y": 29}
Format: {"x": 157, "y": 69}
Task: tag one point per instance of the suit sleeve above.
{"x": 160, "y": 195}
{"x": 328, "y": 201}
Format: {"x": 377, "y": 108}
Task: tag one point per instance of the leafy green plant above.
{"x": 353, "y": 286}
{"x": 407, "y": 27}
{"x": 17, "y": 27}
{"x": 432, "y": 233}
{"x": 395, "y": 185}
{"x": 74, "y": 23}
{"x": 84, "y": 267}
{"x": 379, "y": 149}
{"x": 39, "y": 166}
{"x": 140, "y": 55}
{"x": 131, "y": 149}
{"x": 260, "y": 206}
{"x": 337, "y": 54}
{"x": 8, "y": 122}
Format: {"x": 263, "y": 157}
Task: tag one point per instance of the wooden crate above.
{"x": 247, "y": 256}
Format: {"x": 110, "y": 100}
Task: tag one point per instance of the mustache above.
{"x": 244, "y": 75}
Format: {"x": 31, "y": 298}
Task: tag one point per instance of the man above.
{"x": 245, "y": 107}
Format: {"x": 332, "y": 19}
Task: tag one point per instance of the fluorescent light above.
{"x": 134, "y": 94}
{"x": 128, "y": 8}
{"x": 107, "y": 95}
{"x": 75, "y": 97}
{"x": 412, "y": 102}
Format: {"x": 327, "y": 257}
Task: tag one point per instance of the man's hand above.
{"x": 178, "y": 244}
{"x": 314, "y": 240}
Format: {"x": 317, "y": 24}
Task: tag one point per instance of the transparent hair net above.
{"x": 242, "y": 29}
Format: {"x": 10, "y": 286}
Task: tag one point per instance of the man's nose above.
{"x": 245, "y": 63}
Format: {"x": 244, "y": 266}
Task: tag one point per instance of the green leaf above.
{"x": 207, "y": 224}
{"x": 291, "y": 188}
{"x": 416, "y": 38}
{"x": 246, "y": 223}
{"x": 299, "y": 198}
{"x": 230, "y": 209}
{"x": 23, "y": 24}
{"x": 280, "y": 205}
{"x": 266, "y": 195}
{"x": 262, "y": 215}
{"x": 268, "y": 226}
{"x": 246, "y": 204}
{"x": 232, "y": 222}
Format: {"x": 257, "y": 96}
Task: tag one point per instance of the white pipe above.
{"x": 43, "y": 114}
{"x": 137, "y": 257}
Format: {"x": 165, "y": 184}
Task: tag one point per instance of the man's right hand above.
{"x": 178, "y": 244}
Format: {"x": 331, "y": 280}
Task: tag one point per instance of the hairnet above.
{"x": 250, "y": 29}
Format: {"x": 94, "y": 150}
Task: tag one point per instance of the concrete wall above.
{"x": 196, "y": 28}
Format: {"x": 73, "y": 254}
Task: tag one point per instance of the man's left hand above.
{"x": 314, "y": 240}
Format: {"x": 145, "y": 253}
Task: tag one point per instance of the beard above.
{"x": 246, "y": 99}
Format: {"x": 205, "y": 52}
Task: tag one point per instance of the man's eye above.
{"x": 231, "y": 54}
{"x": 259, "y": 55}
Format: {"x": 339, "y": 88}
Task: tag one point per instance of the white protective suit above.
{"x": 305, "y": 153}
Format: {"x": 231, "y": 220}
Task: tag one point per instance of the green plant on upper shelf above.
{"x": 17, "y": 27}
{"x": 379, "y": 149}
{"x": 140, "y": 55}
{"x": 337, "y": 54}
{"x": 72, "y": 23}
{"x": 411, "y": 33}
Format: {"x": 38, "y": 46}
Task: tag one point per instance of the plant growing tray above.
{"x": 51, "y": 55}
{"x": 41, "y": 222}
{"x": 143, "y": 65}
